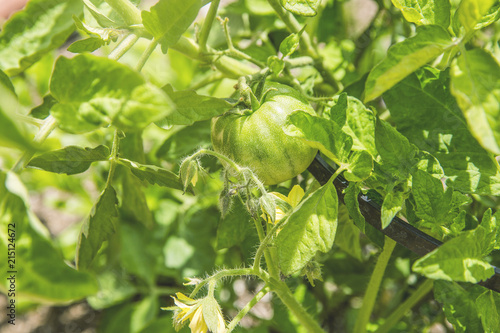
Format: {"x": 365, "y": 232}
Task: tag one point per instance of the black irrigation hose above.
{"x": 400, "y": 231}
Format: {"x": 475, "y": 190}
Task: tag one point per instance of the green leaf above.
{"x": 424, "y": 111}
{"x": 234, "y": 227}
{"x": 357, "y": 121}
{"x": 470, "y": 13}
{"x": 42, "y": 111}
{"x": 86, "y": 45}
{"x": 491, "y": 16}
{"x": 433, "y": 202}
{"x": 310, "y": 228}
{"x": 424, "y": 12}
{"x": 475, "y": 85}
{"x": 11, "y": 133}
{"x": 133, "y": 201}
{"x": 290, "y": 44}
{"x": 320, "y": 133}
{"x": 360, "y": 166}
{"x": 406, "y": 57}
{"x": 459, "y": 305}
{"x": 42, "y": 274}
{"x": 191, "y": 107}
{"x": 275, "y": 64}
{"x": 93, "y": 92}
{"x": 347, "y": 237}
{"x": 180, "y": 14}
{"x": 301, "y": 7}
{"x": 153, "y": 174}
{"x": 428, "y": 163}
{"x": 393, "y": 203}
{"x": 42, "y": 26}
{"x": 352, "y": 204}
{"x": 185, "y": 141}
{"x": 69, "y": 160}
{"x": 6, "y": 83}
{"x": 396, "y": 152}
{"x": 97, "y": 228}
{"x": 488, "y": 308}
{"x": 460, "y": 259}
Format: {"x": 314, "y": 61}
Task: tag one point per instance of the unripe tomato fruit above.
{"x": 255, "y": 139}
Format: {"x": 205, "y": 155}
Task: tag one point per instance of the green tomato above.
{"x": 255, "y": 139}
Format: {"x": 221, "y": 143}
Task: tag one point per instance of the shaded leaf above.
{"x": 406, "y": 57}
{"x": 424, "y": 111}
{"x": 42, "y": 111}
{"x": 153, "y": 174}
{"x": 11, "y": 133}
{"x": 234, "y": 227}
{"x": 69, "y": 160}
{"x": 42, "y": 272}
{"x": 433, "y": 202}
{"x": 488, "y": 308}
{"x": 97, "y": 228}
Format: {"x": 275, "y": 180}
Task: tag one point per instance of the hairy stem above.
{"x": 402, "y": 309}
{"x": 114, "y": 157}
{"x": 286, "y": 296}
{"x": 374, "y": 286}
{"x": 243, "y": 312}
{"x": 222, "y": 274}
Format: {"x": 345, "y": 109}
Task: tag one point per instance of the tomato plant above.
{"x": 250, "y": 166}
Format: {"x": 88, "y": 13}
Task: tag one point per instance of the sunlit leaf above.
{"x": 424, "y": 12}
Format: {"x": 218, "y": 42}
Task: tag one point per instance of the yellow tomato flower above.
{"x": 293, "y": 198}
{"x": 190, "y": 309}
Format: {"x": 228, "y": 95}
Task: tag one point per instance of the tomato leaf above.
{"x": 97, "y": 228}
{"x": 470, "y": 13}
{"x": 423, "y": 12}
{"x": 310, "y": 228}
{"x": 69, "y": 160}
{"x": 359, "y": 167}
{"x": 301, "y": 7}
{"x": 406, "y": 57}
{"x": 153, "y": 174}
{"x": 12, "y": 134}
{"x": 41, "y": 270}
{"x": 357, "y": 121}
{"x": 168, "y": 19}
{"x": 461, "y": 258}
{"x": 352, "y": 204}
{"x": 459, "y": 305}
{"x": 94, "y": 92}
{"x": 32, "y": 32}
{"x": 320, "y": 133}
{"x": 488, "y": 308}
{"x": 433, "y": 202}
{"x": 191, "y": 107}
{"x": 234, "y": 226}
{"x": 421, "y": 105}
{"x": 392, "y": 204}
{"x": 475, "y": 85}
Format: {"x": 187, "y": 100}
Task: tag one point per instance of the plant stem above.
{"x": 207, "y": 25}
{"x": 114, "y": 158}
{"x": 374, "y": 286}
{"x": 402, "y": 309}
{"x": 49, "y": 124}
{"x": 125, "y": 45}
{"x": 286, "y": 296}
{"x": 147, "y": 53}
{"x": 271, "y": 265}
{"x": 222, "y": 274}
{"x": 294, "y": 26}
{"x": 235, "y": 321}
{"x": 127, "y": 10}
